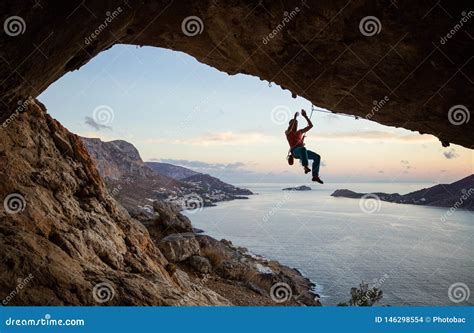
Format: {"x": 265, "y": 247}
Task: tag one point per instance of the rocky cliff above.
{"x": 60, "y": 226}
{"x": 119, "y": 159}
{"x": 127, "y": 177}
{"x": 66, "y": 241}
{"x": 136, "y": 185}
{"x": 401, "y": 63}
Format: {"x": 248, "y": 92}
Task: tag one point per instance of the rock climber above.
{"x": 298, "y": 150}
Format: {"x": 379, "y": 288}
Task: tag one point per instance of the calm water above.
{"x": 405, "y": 249}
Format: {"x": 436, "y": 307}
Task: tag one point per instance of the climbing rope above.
{"x": 313, "y": 108}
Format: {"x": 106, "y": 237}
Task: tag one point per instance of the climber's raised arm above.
{"x": 310, "y": 124}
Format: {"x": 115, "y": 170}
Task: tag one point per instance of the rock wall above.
{"x": 63, "y": 239}
{"x": 416, "y": 56}
{"x": 60, "y": 227}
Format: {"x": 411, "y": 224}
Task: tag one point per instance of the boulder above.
{"x": 169, "y": 219}
{"x": 233, "y": 270}
{"x": 200, "y": 264}
{"x": 206, "y": 241}
{"x": 179, "y": 247}
{"x": 66, "y": 239}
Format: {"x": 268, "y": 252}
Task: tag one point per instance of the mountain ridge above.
{"x": 135, "y": 184}
{"x": 459, "y": 194}
{"x": 171, "y": 170}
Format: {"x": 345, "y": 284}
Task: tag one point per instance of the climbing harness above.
{"x": 289, "y": 156}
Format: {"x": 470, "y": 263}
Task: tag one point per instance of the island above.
{"x": 456, "y": 195}
{"x": 298, "y": 188}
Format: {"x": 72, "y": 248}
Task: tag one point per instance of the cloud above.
{"x": 404, "y": 162}
{"x": 450, "y": 154}
{"x": 92, "y": 123}
{"x": 256, "y": 138}
{"x": 201, "y": 165}
{"x": 235, "y": 172}
{"x": 220, "y": 138}
{"x": 375, "y": 135}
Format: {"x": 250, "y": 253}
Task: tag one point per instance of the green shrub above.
{"x": 363, "y": 296}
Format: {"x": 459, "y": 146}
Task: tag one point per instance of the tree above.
{"x": 363, "y": 296}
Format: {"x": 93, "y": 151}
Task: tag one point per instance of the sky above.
{"x": 177, "y": 110}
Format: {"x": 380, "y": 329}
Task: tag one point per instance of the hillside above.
{"x": 118, "y": 159}
{"x": 170, "y": 170}
{"x": 459, "y": 194}
{"x": 127, "y": 177}
{"x": 65, "y": 240}
{"x": 214, "y": 185}
{"x": 136, "y": 185}
{"x": 206, "y": 182}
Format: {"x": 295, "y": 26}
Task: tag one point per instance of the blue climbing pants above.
{"x": 304, "y": 155}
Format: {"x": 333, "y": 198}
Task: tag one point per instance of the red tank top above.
{"x": 295, "y": 138}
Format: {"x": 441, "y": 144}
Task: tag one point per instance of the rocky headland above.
{"x": 66, "y": 240}
{"x": 298, "y": 188}
{"x": 136, "y": 184}
{"x": 459, "y": 194}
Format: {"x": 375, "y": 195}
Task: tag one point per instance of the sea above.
{"x": 417, "y": 255}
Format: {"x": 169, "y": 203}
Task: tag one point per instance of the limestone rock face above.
{"x": 404, "y": 63}
{"x": 179, "y": 247}
{"x": 117, "y": 159}
{"x": 169, "y": 219}
{"x": 65, "y": 235}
